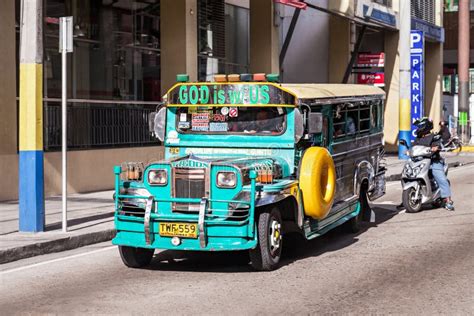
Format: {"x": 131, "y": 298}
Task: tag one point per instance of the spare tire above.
{"x": 317, "y": 179}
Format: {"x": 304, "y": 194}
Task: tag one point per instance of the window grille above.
{"x": 424, "y": 10}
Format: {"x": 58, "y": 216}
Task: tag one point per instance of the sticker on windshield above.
{"x": 233, "y": 112}
{"x": 183, "y": 117}
{"x": 218, "y": 118}
{"x": 200, "y": 122}
{"x": 218, "y": 127}
{"x": 225, "y": 110}
{"x": 184, "y": 125}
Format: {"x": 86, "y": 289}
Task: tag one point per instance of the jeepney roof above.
{"x": 316, "y": 91}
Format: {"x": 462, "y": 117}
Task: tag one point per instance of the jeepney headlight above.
{"x": 226, "y": 179}
{"x": 158, "y": 177}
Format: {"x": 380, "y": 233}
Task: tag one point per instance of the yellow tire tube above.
{"x": 317, "y": 181}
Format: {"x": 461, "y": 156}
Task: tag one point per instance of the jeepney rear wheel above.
{"x": 266, "y": 256}
{"x": 136, "y": 257}
{"x": 353, "y": 225}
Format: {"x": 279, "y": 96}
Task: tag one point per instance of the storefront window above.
{"x": 116, "y": 50}
{"x": 223, "y": 39}
{"x": 113, "y": 73}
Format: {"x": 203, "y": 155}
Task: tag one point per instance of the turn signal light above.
{"x": 220, "y": 78}
{"x": 246, "y": 77}
{"x": 233, "y": 78}
{"x": 259, "y": 77}
{"x": 182, "y": 78}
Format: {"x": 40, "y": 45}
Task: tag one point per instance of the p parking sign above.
{"x": 417, "y": 77}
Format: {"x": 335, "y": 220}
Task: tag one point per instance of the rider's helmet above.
{"x": 423, "y": 126}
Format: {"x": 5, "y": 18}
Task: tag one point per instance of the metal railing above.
{"x": 98, "y": 124}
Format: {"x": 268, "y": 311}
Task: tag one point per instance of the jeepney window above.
{"x": 374, "y": 115}
{"x": 235, "y": 120}
{"x": 364, "y": 118}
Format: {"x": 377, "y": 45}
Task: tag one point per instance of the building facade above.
{"x": 127, "y": 54}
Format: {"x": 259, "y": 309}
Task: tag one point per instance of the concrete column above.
{"x": 178, "y": 22}
{"x": 433, "y": 81}
{"x": 404, "y": 118}
{"x": 463, "y": 66}
{"x": 392, "y": 89}
{"x": 264, "y": 40}
{"x": 31, "y": 184}
{"x": 8, "y": 107}
{"x": 339, "y": 47}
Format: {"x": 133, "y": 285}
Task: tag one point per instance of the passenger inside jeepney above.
{"x": 254, "y": 120}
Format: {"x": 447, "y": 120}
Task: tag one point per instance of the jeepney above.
{"x": 248, "y": 160}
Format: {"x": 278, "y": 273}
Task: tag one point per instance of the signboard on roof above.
{"x": 228, "y": 94}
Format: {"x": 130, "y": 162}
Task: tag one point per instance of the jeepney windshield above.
{"x": 236, "y": 120}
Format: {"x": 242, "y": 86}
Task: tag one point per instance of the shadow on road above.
{"x": 295, "y": 247}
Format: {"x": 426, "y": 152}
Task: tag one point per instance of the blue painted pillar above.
{"x": 31, "y": 184}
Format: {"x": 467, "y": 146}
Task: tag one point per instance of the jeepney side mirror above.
{"x": 315, "y": 123}
{"x": 157, "y": 123}
{"x": 299, "y": 125}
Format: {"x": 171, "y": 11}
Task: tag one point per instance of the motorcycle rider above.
{"x": 444, "y": 132}
{"x": 425, "y": 137}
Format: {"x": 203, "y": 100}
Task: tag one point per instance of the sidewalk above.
{"x": 90, "y": 219}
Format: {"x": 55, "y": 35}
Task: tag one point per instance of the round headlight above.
{"x": 158, "y": 177}
{"x": 226, "y": 179}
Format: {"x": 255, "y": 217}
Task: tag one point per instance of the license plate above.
{"x": 185, "y": 230}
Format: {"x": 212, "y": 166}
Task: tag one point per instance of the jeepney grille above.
{"x": 188, "y": 183}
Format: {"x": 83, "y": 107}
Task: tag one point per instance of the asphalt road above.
{"x": 404, "y": 264}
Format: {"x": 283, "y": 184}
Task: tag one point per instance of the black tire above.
{"x": 408, "y": 203}
{"x": 353, "y": 225}
{"x": 136, "y": 257}
{"x": 266, "y": 257}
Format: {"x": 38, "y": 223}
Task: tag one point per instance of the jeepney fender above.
{"x": 364, "y": 171}
{"x": 264, "y": 198}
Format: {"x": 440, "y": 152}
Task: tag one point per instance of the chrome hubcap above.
{"x": 413, "y": 198}
{"x": 275, "y": 236}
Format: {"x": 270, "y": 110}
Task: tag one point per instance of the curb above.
{"x": 398, "y": 176}
{"x": 58, "y": 245}
{"x": 467, "y": 149}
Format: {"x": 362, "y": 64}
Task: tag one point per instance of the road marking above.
{"x": 56, "y": 260}
{"x": 386, "y": 203}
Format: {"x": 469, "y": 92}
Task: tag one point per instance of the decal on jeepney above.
{"x": 230, "y": 151}
{"x": 229, "y": 94}
{"x": 190, "y": 163}
{"x": 218, "y": 127}
{"x": 200, "y": 122}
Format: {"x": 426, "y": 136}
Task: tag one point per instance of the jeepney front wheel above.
{"x": 266, "y": 256}
{"x": 136, "y": 257}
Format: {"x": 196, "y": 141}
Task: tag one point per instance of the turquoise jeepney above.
{"x": 247, "y": 162}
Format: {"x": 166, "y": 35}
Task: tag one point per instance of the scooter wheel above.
{"x": 410, "y": 201}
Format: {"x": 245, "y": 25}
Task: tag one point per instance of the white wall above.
{"x": 307, "y": 56}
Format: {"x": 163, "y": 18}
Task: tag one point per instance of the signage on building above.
{"x": 371, "y": 60}
{"x": 431, "y": 31}
{"x": 377, "y": 13}
{"x": 376, "y": 79}
{"x": 417, "y": 77}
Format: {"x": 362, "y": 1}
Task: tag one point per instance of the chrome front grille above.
{"x": 188, "y": 183}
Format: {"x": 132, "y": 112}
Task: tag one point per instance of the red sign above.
{"x": 376, "y": 79}
{"x": 371, "y": 60}
{"x": 293, "y": 3}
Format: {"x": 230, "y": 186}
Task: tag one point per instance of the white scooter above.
{"x": 419, "y": 186}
